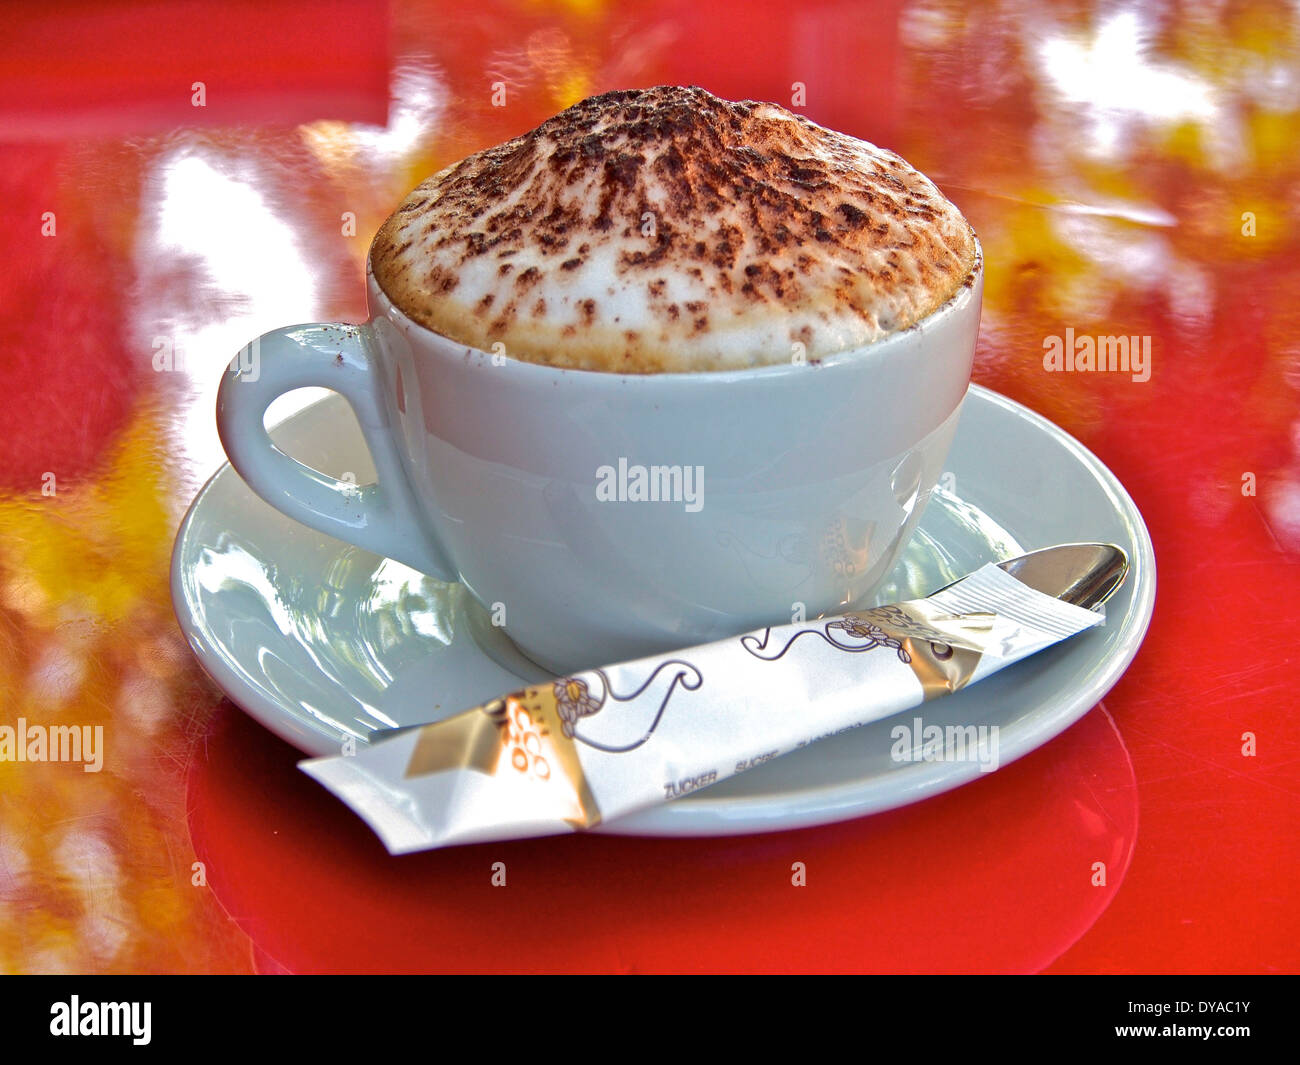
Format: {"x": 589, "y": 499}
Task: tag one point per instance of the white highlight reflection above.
{"x": 245, "y": 247}
{"x": 417, "y": 104}
{"x": 252, "y": 277}
{"x": 1112, "y": 81}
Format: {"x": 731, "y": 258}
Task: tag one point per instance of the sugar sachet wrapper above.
{"x": 568, "y": 754}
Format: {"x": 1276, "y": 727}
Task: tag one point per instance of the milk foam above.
{"x": 665, "y": 229}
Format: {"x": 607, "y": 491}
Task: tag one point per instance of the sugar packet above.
{"x": 565, "y": 755}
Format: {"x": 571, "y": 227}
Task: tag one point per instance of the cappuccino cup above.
{"x": 603, "y": 508}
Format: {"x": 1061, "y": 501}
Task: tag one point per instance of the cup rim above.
{"x": 959, "y": 298}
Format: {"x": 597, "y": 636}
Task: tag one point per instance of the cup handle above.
{"x": 383, "y": 517}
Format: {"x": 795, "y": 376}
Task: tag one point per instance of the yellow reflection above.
{"x": 91, "y": 550}
{"x": 94, "y": 866}
{"x": 417, "y": 101}
{"x": 581, "y": 7}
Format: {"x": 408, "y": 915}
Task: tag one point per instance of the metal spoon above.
{"x": 1083, "y": 574}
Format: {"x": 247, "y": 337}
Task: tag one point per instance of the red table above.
{"x": 177, "y": 178}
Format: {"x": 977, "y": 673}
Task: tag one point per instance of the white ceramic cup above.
{"x": 796, "y": 485}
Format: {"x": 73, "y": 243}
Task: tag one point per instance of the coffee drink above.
{"x": 655, "y": 237}
{"x": 665, "y": 230}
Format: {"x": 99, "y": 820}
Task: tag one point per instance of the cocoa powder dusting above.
{"x": 762, "y": 225}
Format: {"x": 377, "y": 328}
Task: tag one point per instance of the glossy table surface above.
{"x": 177, "y": 178}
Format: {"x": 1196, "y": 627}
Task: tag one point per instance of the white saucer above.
{"x": 319, "y": 641}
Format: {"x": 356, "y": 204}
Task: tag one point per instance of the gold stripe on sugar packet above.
{"x": 943, "y": 649}
{"x": 520, "y": 735}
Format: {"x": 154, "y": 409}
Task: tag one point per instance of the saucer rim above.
{"x": 786, "y": 810}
